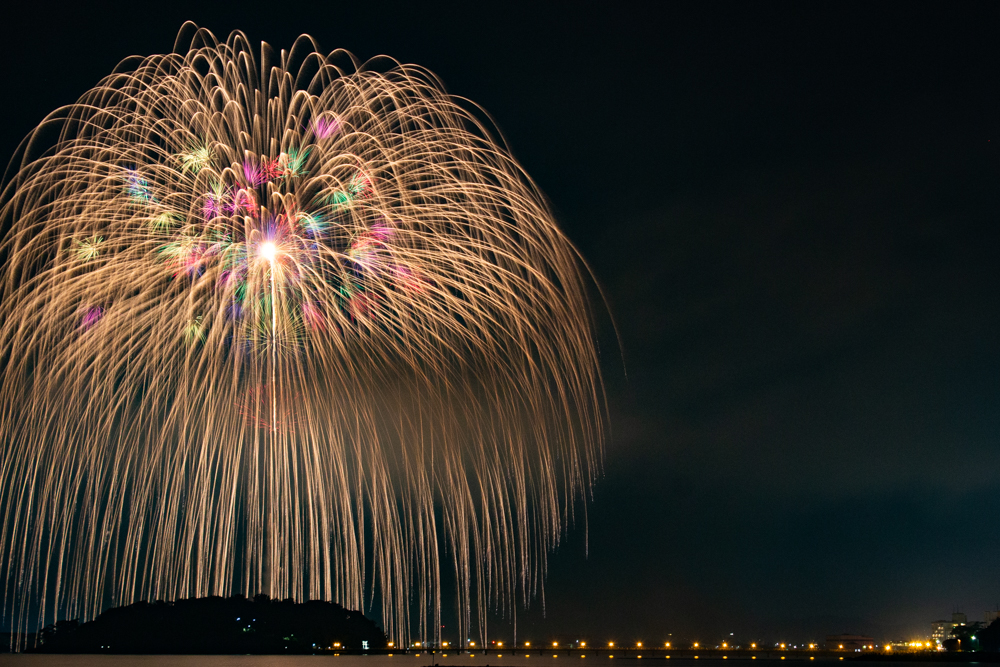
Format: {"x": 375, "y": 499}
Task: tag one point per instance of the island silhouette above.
{"x": 217, "y": 625}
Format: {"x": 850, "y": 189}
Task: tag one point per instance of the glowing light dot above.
{"x": 268, "y": 251}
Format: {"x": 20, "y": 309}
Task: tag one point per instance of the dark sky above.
{"x": 793, "y": 211}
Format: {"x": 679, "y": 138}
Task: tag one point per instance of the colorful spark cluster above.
{"x": 298, "y": 326}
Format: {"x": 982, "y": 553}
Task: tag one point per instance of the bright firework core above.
{"x": 268, "y": 250}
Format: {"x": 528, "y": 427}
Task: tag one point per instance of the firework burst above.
{"x": 294, "y": 326}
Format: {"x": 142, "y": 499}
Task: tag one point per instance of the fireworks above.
{"x": 290, "y": 328}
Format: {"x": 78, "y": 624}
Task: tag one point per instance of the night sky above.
{"x": 793, "y": 213}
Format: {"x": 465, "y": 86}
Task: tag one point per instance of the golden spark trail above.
{"x": 289, "y": 324}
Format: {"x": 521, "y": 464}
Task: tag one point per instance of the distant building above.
{"x": 849, "y": 642}
{"x": 941, "y": 630}
{"x": 992, "y": 616}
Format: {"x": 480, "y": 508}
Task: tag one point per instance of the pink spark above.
{"x": 324, "y": 127}
{"x": 254, "y": 173}
{"x": 212, "y": 208}
{"x": 91, "y": 317}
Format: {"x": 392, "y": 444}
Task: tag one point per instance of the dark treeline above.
{"x": 216, "y": 625}
{"x": 975, "y": 637}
